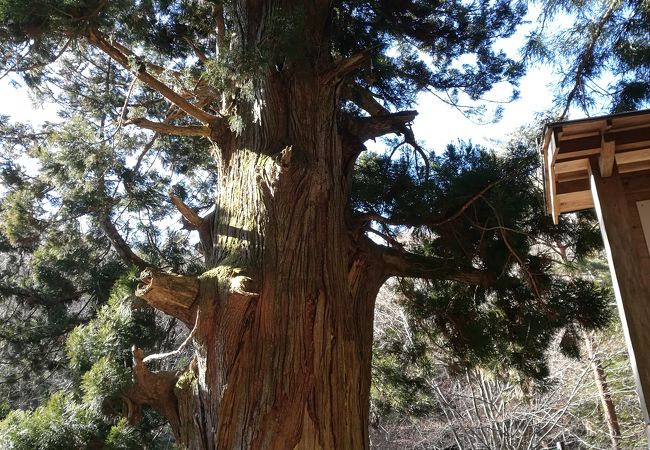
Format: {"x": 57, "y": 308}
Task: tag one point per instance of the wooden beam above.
{"x": 606, "y": 158}
{"x": 629, "y": 264}
{"x": 575, "y": 201}
{"x": 573, "y": 186}
{"x": 633, "y": 161}
{"x": 549, "y": 157}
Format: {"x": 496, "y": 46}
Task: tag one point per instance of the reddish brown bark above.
{"x": 284, "y": 315}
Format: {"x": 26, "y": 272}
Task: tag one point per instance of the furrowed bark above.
{"x": 284, "y": 313}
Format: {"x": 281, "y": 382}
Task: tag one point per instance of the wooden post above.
{"x": 615, "y": 200}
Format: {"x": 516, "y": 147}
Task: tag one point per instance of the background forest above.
{"x": 533, "y": 358}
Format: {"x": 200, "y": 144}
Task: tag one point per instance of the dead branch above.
{"x": 155, "y": 389}
{"x": 158, "y": 356}
{"x": 371, "y": 127}
{"x": 188, "y": 213}
{"x": 161, "y": 127}
{"x": 345, "y": 66}
{"x": 172, "y": 294}
{"x": 365, "y": 100}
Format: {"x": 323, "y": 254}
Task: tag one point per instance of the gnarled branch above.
{"x": 345, "y": 66}
{"x": 155, "y": 389}
{"x": 371, "y": 127}
{"x": 364, "y": 99}
{"x": 170, "y": 293}
{"x": 161, "y": 127}
{"x": 398, "y": 263}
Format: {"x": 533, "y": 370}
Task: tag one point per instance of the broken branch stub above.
{"x": 170, "y": 293}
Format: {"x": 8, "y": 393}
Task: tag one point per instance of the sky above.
{"x": 437, "y": 123}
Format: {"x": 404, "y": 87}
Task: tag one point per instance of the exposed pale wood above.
{"x": 576, "y": 165}
{"x": 634, "y": 160}
{"x": 630, "y": 267}
{"x": 606, "y": 159}
{"x": 550, "y": 160}
{"x": 172, "y": 294}
{"x": 575, "y": 201}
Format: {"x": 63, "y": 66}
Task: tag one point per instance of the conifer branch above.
{"x": 399, "y": 263}
{"x": 431, "y": 223}
{"x": 586, "y": 57}
{"x": 118, "y": 242}
{"x": 188, "y": 213}
{"x": 164, "y": 128}
{"x": 98, "y": 41}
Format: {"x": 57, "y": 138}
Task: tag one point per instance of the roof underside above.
{"x": 616, "y": 143}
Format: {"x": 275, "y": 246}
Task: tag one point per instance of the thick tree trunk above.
{"x": 284, "y": 317}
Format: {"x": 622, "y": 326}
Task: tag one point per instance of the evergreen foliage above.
{"x": 85, "y": 201}
{"x": 88, "y": 415}
{"x": 603, "y": 55}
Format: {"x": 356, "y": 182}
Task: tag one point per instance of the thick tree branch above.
{"x": 188, "y": 213}
{"x": 155, "y": 389}
{"x": 345, "y": 66}
{"x": 371, "y": 127}
{"x": 98, "y": 41}
{"x": 161, "y": 127}
{"x": 399, "y": 263}
{"x": 364, "y": 99}
{"x": 119, "y": 244}
{"x": 172, "y": 294}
